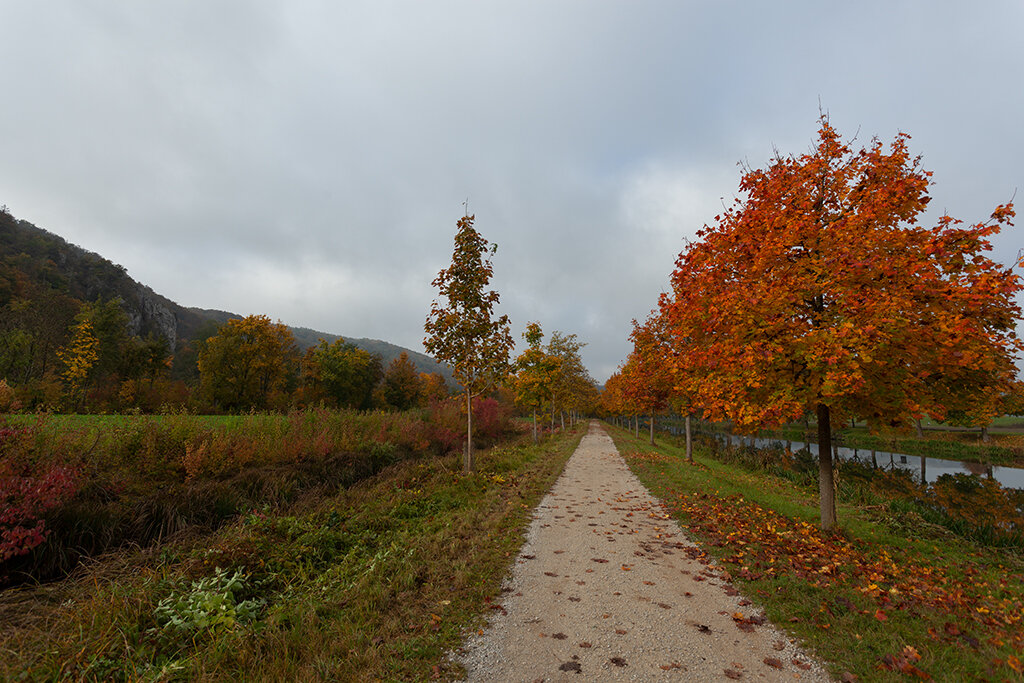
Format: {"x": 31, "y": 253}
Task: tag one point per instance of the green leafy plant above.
{"x": 210, "y": 604}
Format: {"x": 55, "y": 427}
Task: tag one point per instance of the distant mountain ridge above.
{"x": 47, "y": 259}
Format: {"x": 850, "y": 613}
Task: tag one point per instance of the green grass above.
{"x": 376, "y": 582}
{"x": 860, "y": 597}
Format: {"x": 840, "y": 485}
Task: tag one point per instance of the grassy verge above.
{"x": 376, "y": 582}
{"x": 883, "y": 599}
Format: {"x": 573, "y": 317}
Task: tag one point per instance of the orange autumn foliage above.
{"x": 820, "y": 292}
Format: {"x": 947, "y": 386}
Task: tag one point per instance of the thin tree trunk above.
{"x": 467, "y": 463}
{"x": 924, "y": 479}
{"x": 985, "y": 438}
{"x": 535, "y": 425}
{"x": 826, "y": 475}
{"x": 689, "y": 440}
{"x": 652, "y": 429}
{"x": 920, "y": 432}
{"x": 561, "y": 415}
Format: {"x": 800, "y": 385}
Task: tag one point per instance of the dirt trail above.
{"x": 608, "y": 588}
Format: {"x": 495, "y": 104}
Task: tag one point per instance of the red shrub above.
{"x": 28, "y": 490}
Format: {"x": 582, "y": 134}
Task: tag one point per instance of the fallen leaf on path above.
{"x": 733, "y": 674}
{"x": 550, "y": 574}
{"x": 618, "y": 661}
{"x": 559, "y": 636}
{"x": 571, "y": 666}
{"x": 585, "y": 644}
{"x": 773, "y": 662}
{"x": 669, "y": 667}
{"x": 778, "y": 646}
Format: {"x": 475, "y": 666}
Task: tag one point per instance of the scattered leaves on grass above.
{"x": 759, "y": 543}
{"x": 904, "y": 663}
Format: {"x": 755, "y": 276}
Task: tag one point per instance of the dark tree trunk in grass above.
{"x": 826, "y": 474}
{"x": 467, "y": 461}
{"x": 689, "y": 440}
{"x": 652, "y": 429}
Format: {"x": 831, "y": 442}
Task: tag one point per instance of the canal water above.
{"x": 1009, "y": 477}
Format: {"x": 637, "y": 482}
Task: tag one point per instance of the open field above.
{"x": 374, "y": 581}
{"x": 890, "y": 595}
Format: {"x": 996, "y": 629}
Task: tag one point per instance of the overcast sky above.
{"x": 309, "y": 160}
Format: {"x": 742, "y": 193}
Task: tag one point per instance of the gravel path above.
{"x": 608, "y": 588}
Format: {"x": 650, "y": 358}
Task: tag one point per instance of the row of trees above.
{"x": 462, "y": 330}
{"x": 253, "y": 363}
{"x": 819, "y": 293}
{"x": 250, "y": 363}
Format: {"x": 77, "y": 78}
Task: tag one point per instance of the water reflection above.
{"x": 926, "y": 469}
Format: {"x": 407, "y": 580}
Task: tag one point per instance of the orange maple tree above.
{"x": 648, "y": 378}
{"x": 819, "y": 292}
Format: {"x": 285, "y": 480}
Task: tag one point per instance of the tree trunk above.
{"x": 807, "y": 433}
{"x": 535, "y": 425}
{"x": 826, "y": 475}
{"x": 924, "y": 479}
{"x": 652, "y": 429}
{"x": 985, "y": 438}
{"x": 689, "y": 440}
{"x": 917, "y": 426}
{"x": 561, "y": 415}
{"x": 467, "y": 461}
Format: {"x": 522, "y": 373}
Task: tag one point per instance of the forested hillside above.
{"x": 76, "y": 332}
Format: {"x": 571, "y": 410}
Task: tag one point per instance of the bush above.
{"x": 29, "y": 488}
